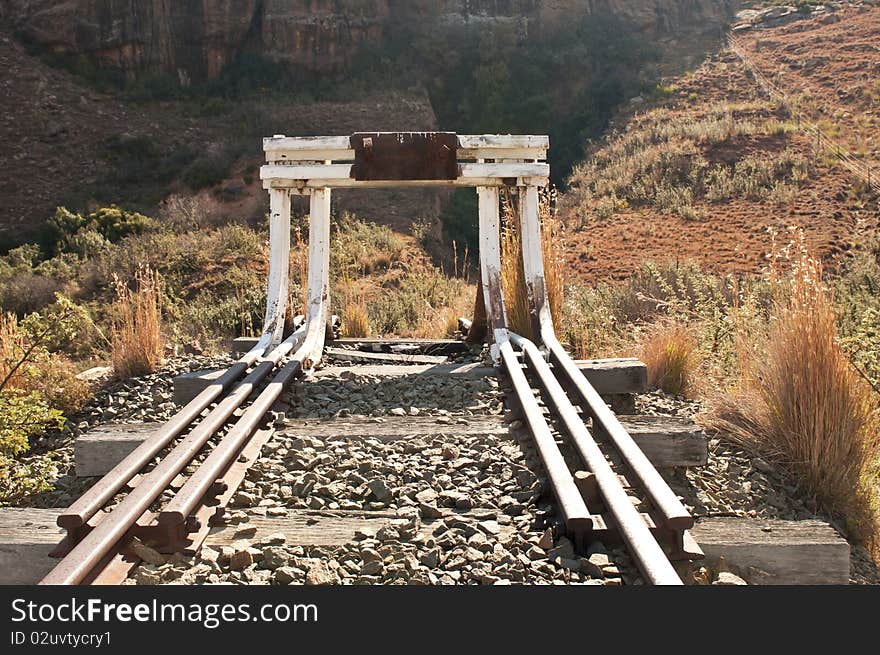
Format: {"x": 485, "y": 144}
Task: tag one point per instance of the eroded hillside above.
{"x": 713, "y": 170}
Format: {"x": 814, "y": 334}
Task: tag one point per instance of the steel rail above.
{"x": 578, "y": 519}
{"x": 648, "y": 554}
{"x": 187, "y": 499}
{"x": 91, "y": 502}
{"x": 674, "y": 514}
{"x": 79, "y": 562}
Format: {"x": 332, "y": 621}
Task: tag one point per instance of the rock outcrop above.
{"x": 196, "y": 38}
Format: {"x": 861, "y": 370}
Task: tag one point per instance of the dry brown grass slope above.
{"x": 709, "y": 168}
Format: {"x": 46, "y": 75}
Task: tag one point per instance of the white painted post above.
{"x": 490, "y": 268}
{"x": 279, "y": 265}
{"x": 533, "y": 262}
{"x": 318, "y": 306}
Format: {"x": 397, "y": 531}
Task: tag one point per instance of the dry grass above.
{"x": 136, "y": 343}
{"x": 298, "y": 271}
{"x": 801, "y": 402}
{"x": 670, "y": 353}
{"x": 355, "y": 318}
{"x": 12, "y": 344}
{"x": 512, "y": 275}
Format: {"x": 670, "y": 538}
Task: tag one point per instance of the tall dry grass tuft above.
{"x": 802, "y": 403}
{"x": 12, "y": 344}
{"x": 136, "y": 342}
{"x": 512, "y": 274}
{"x": 670, "y": 353}
{"x": 355, "y": 317}
{"x": 298, "y": 271}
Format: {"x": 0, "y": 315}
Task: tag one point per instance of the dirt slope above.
{"x": 735, "y": 235}
{"x": 54, "y": 131}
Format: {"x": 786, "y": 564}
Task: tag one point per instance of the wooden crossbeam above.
{"x": 470, "y": 174}
{"x": 471, "y": 148}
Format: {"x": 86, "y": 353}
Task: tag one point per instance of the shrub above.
{"x": 669, "y": 351}
{"x": 112, "y": 223}
{"x": 136, "y": 342}
{"x": 801, "y": 402}
{"x": 36, "y": 388}
{"x": 418, "y": 301}
{"x": 361, "y": 247}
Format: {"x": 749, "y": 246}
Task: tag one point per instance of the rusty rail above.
{"x": 649, "y": 556}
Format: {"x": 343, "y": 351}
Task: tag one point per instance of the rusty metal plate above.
{"x": 405, "y": 156}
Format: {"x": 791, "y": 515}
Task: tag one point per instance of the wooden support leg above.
{"x": 490, "y": 267}
{"x": 279, "y": 264}
{"x": 533, "y": 262}
{"x": 318, "y": 308}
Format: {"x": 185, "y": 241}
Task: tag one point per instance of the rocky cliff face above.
{"x": 196, "y": 38}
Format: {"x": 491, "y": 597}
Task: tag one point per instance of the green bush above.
{"x": 69, "y": 231}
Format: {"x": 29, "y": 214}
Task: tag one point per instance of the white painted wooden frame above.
{"x": 533, "y": 263}
{"x": 279, "y": 258}
{"x": 490, "y": 268}
{"x": 314, "y": 165}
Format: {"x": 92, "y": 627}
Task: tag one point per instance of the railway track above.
{"x": 171, "y": 489}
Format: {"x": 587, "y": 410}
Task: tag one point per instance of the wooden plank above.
{"x": 325, "y": 528}
{"x": 187, "y": 386}
{"x": 503, "y": 141}
{"x": 100, "y": 449}
{"x": 468, "y": 141}
{"x": 333, "y": 172}
{"x": 281, "y": 142}
{"x": 27, "y": 536}
{"x": 515, "y": 154}
{"x": 667, "y": 440}
{"x": 775, "y": 552}
{"x": 303, "y": 187}
{"x": 463, "y": 155}
{"x": 520, "y": 169}
{"x": 608, "y": 376}
{"x": 310, "y": 155}
{"x": 403, "y": 358}
{"x": 241, "y": 345}
{"x": 306, "y": 172}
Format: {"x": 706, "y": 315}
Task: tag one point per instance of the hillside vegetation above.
{"x": 710, "y": 234}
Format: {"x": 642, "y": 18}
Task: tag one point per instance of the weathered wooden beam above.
{"x": 343, "y": 173}
{"x": 496, "y": 154}
{"x": 468, "y": 141}
{"x": 463, "y": 155}
{"x": 305, "y": 187}
{"x": 189, "y": 385}
{"x": 281, "y": 142}
{"x": 667, "y": 440}
{"x": 608, "y": 376}
{"x": 774, "y": 552}
{"x": 100, "y": 449}
{"x": 241, "y": 345}
{"x": 503, "y": 141}
{"x": 27, "y": 536}
{"x": 402, "y": 358}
